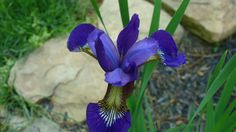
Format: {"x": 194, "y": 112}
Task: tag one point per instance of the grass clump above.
{"x": 25, "y": 25}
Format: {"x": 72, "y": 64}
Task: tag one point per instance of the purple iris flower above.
{"x": 121, "y": 68}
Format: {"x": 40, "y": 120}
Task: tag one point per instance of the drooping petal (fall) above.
{"x": 128, "y": 35}
{"x": 140, "y": 52}
{"x": 168, "y": 50}
{"x": 92, "y": 38}
{"x": 119, "y": 78}
{"x": 107, "y": 54}
{"x": 78, "y": 36}
{"x": 174, "y": 61}
{"x": 106, "y": 120}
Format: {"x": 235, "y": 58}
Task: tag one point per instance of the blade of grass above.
{"x": 155, "y": 17}
{"x": 173, "y": 24}
{"x": 150, "y": 122}
{"x": 95, "y": 6}
{"x": 124, "y": 12}
{"x": 149, "y": 68}
{"x": 177, "y": 128}
{"x": 220, "y": 79}
{"x": 209, "y": 117}
{"x": 226, "y": 94}
{"x": 217, "y": 69}
{"x": 230, "y": 124}
{"x": 225, "y": 115}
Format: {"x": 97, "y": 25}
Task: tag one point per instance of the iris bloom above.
{"x": 121, "y": 68}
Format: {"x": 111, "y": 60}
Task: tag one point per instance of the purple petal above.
{"x": 166, "y": 42}
{"x": 97, "y": 123}
{"x": 78, "y": 37}
{"x": 168, "y": 50}
{"x": 107, "y": 53}
{"x": 119, "y": 78}
{"x": 92, "y": 38}
{"x": 140, "y": 52}
{"x": 128, "y": 35}
{"x": 174, "y": 61}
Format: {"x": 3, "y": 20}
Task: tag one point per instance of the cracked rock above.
{"x": 70, "y": 80}
{"x": 211, "y": 20}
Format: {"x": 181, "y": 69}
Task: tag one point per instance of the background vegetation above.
{"x": 25, "y": 25}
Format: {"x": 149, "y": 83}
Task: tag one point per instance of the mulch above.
{"x": 173, "y": 92}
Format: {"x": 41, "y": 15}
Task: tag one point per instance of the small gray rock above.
{"x": 43, "y": 125}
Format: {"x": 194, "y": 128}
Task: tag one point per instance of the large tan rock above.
{"x": 211, "y": 20}
{"x": 112, "y": 19}
{"x": 71, "y": 80}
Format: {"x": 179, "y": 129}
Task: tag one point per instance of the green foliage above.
{"x": 96, "y": 8}
{"x": 217, "y": 79}
{"x": 221, "y": 117}
{"x": 220, "y": 114}
{"x": 124, "y": 11}
{"x": 172, "y": 26}
{"x": 25, "y": 24}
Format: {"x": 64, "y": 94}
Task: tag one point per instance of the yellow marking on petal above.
{"x": 114, "y": 97}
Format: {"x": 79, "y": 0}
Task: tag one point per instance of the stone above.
{"x": 211, "y": 20}
{"x": 17, "y": 123}
{"x": 112, "y": 19}
{"x": 70, "y": 80}
{"x": 42, "y": 125}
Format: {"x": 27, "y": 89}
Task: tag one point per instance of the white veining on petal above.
{"x": 110, "y": 116}
{"x": 161, "y": 55}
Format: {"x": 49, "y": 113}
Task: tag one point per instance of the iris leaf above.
{"x": 155, "y": 17}
{"x": 95, "y": 6}
{"x": 217, "y": 69}
{"x": 149, "y": 68}
{"x": 148, "y": 111}
{"x": 173, "y": 24}
{"x": 124, "y": 12}
{"x": 216, "y": 84}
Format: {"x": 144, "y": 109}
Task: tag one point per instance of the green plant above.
{"x": 220, "y": 114}
{"x": 25, "y": 25}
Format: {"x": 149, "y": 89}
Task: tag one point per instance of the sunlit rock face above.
{"x": 211, "y": 20}
{"x": 112, "y": 19}
{"x": 69, "y": 80}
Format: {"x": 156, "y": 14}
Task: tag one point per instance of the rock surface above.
{"x": 112, "y": 19}
{"x": 71, "y": 80}
{"x": 42, "y": 125}
{"x": 211, "y": 20}
{"x": 17, "y": 123}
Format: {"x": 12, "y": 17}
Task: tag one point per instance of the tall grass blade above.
{"x": 173, "y": 24}
{"x": 225, "y": 116}
{"x": 124, "y": 12}
{"x": 150, "y": 123}
{"x": 217, "y": 69}
{"x": 155, "y": 16}
{"x": 148, "y": 68}
{"x": 95, "y": 6}
{"x": 220, "y": 79}
{"x": 226, "y": 94}
{"x": 209, "y": 117}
